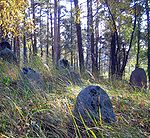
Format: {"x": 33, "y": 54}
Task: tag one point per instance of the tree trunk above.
{"x": 24, "y": 49}
{"x": 59, "y": 13}
{"x": 34, "y": 34}
{"x": 56, "y": 50}
{"x": 14, "y": 45}
{"x": 93, "y": 56}
{"x": 88, "y": 50}
{"x": 74, "y": 65}
{"x": 18, "y": 49}
{"x": 41, "y": 47}
{"x": 148, "y": 38}
{"x": 79, "y": 38}
{"x": 24, "y": 43}
{"x": 99, "y": 62}
{"x": 96, "y": 44}
{"x": 113, "y": 56}
{"x": 115, "y": 48}
{"x": 51, "y": 23}
{"x": 138, "y": 42}
{"x": 47, "y": 46}
{"x": 71, "y": 37}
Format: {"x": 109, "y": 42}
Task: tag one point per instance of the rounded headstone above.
{"x": 8, "y": 55}
{"x": 95, "y": 102}
{"x": 63, "y": 64}
{"x": 138, "y": 78}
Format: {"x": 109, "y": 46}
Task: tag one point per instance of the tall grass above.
{"x": 29, "y": 113}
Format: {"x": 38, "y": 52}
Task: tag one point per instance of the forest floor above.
{"x": 26, "y": 113}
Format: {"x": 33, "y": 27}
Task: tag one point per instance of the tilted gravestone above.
{"x": 63, "y": 64}
{"x": 32, "y": 79}
{"x": 68, "y": 72}
{"x": 93, "y": 102}
{"x": 138, "y": 78}
{"x": 74, "y": 77}
{"x": 6, "y": 53}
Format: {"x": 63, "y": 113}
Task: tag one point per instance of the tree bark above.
{"x": 96, "y": 43}
{"x": 14, "y": 45}
{"x": 88, "y": 50}
{"x": 113, "y": 56}
{"x": 115, "y": 47}
{"x": 24, "y": 44}
{"x": 47, "y": 46}
{"x": 41, "y": 47}
{"x": 18, "y": 49}
{"x": 138, "y": 42}
{"x": 93, "y": 56}
{"x": 34, "y": 34}
{"x": 79, "y": 38}
{"x": 72, "y": 50}
{"x": 59, "y": 13}
{"x": 56, "y": 50}
{"x": 148, "y": 38}
{"x": 51, "y": 24}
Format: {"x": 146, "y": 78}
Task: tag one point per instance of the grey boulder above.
{"x": 93, "y": 102}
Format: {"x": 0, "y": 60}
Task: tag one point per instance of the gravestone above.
{"x": 138, "y": 78}
{"x": 95, "y": 102}
{"x": 74, "y": 77}
{"x": 32, "y": 79}
{"x": 8, "y": 55}
{"x": 68, "y": 73}
{"x": 4, "y": 45}
{"x": 63, "y": 64}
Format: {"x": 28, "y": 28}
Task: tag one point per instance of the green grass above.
{"x": 26, "y": 113}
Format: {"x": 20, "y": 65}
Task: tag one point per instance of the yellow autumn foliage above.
{"x": 12, "y": 15}
{"x": 78, "y": 13}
